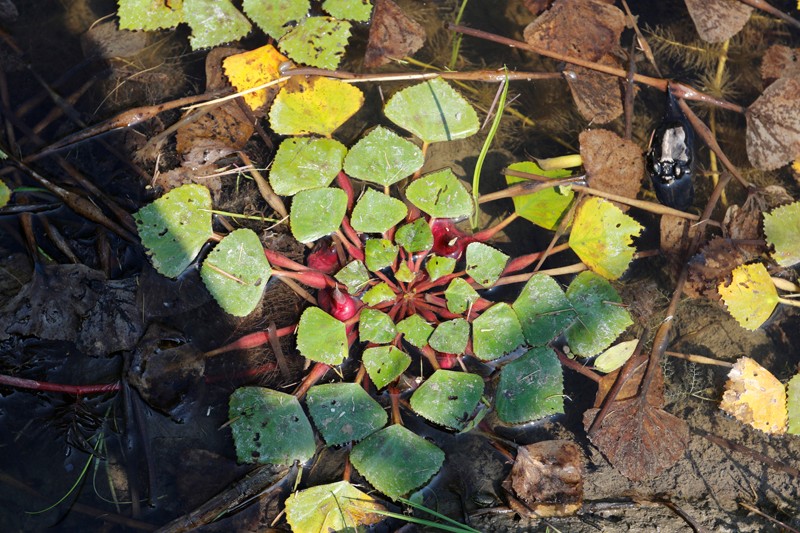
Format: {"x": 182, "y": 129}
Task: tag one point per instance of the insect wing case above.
{"x": 670, "y": 158}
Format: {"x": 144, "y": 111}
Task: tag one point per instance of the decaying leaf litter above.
{"x": 677, "y": 484}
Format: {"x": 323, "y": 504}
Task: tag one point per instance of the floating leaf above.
{"x": 376, "y": 326}
{"x": 5, "y": 193}
{"x": 602, "y": 235}
{"x": 448, "y": 398}
{"x": 415, "y": 330}
{"x": 450, "y": 336}
{"x": 344, "y": 412}
{"x": 383, "y": 157}
{"x": 600, "y": 318}
{"x": 175, "y": 227}
{"x": 334, "y": 507}
{"x": 755, "y": 397}
{"x": 440, "y": 266}
{"x": 460, "y": 296}
{"x": 213, "y": 22}
{"x": 317, "y": 41}
{"x": 253, "y": 68}
{"x": 543, "y": 310}
{"x": 751, "y": 296}
{"x": 496, "y": 332}
{"x": 354, "y": 274}
{"x": 780, "y": 228}
{"x": 612, "y": 164}
{"x": 358, "y": 10}
{"x": 384, "y": 364}
{"x": 773, "y": 125}
{"x": 314, "y": 105}
{"x": 376, "y": 212}
{"x": 236, "y": 272}
{"x": 269, "y": 427}
{"x": 546, "y": 207}
{"x": 274, "y": 16}
{"x": 793, "y": 405}
{"x": 321, "y": 337}
{"x": 148, "y": 15}
{"x": 302, "y": 163}
{"x": 379, "y": 253}
{"x": 378, "y": 293}
{"x": 615, "y": 357}
{"x": 317, "y": 213}
{"x": 433, "y": 111}
{"x": 440, "y": 194}
{"x": 530, "y": 388}
{"x": 484, "y": 263}
{"x": 396, "y": 461}
{"x": 415, "y": 237}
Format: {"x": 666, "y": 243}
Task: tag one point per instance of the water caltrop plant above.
{"x": 404, "y": 295}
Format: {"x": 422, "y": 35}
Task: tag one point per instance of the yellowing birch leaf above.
{"x": 756, "y": 397}
{"x": 751, "y": 297}
{"x": 314, "y": 106}
{"x": 253, "y": 68}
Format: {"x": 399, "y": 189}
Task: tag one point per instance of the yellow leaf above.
{"x": 751, "y": 297}
{"x": 254, "y": 68}
{"x": 756, "y": 397}
{"x": 314, "y": 105}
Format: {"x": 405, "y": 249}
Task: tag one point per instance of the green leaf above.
{"x": 236, "y": 272}
{"x": 149, "y": 15}
{"x": 546, "y": 207}
{"x": 543, "y": 310}
{"x": 793, "y": 405}
{"x": 354, "y": 275}
{"x": 321, "y": 337}
{"x": 376, "y": 326}
{"x": 460, "y": 296}
{"x": 404, "y": 273}
{"x": 273, "y": 17}
{"x": 175, "y": 227}
{"x": 314, "y": 106}
{"x": 317, "y": 213}
{"x": 440, "y": 194}
{"x": 376, "y": 212}
{"x": 378, "y": 293}
{"x": 781, "y": 229}
{"x": 433, "y": 111}
{"x": 415, "y": 330}
{"x": 440, "y": 266}
{"x": 383, "y": 157}
{"x": 530, "y": 388}
{"x": 344, "y": 412}
{"x": 358, "y": 10}
{"x": 600, "y": 317}
{"x": 213, "y": 22}
{"x": 484, "y": 263}
{"x": 333, "y": 507}
{"x": 396, "y": 461}
{"x": 615, "y": 357}
{"x": 317, "y": 41}
{"x": 451, "y": 336}
{"x": 380, "y": 253}
{"x": 448, "y": 398}
{"x": 602, "y": 235}
{"x": 496, "y": 332}
{"x": 415, "y": 236}
{"x": 301, "y": 164}
{"x": 384, "y": 364}
{"x": 269, "y": 427}
{"x": 5, "y": 193}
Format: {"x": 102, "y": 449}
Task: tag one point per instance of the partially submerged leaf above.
{"x": 334, "y": 507}
{"x": 396, "y": 461}
{"x": 433, "y": 111}
{"x": 773, "y": 125}
{"x": 448, "y": 398}
{"x": 531, "y": 387}
{"x": 384, "y": 364}
{"x": 415, "y": 330}
{"x": 321, "y": 337}
{"x": 378, "y": 293}
{"x": 175, "y": 227}
{"x": 450, "y": 336}
{"x": 415, "y": 236}
{"x": 317, "y": 213}
{"x": 546, "y": 207}
{"x": 751, "y": 296}
{"x": 496, "y": 332}
{"x": 376, "y": 212}
{"x": 354, "y": 275}
{"x": 358, "y": 10}
{"x": 438, "y": 266}
{"x": 344, "y": 412}
{"x": 383, "y": 157}
{"x": 460, "y": 296}
{"x": 484, "y": 263}
{"x": 379, "y": 253}
{"x": 392, "y": 35}
{"x": 543, "y": 310}
{"x": 149, "y": 15}
{"x": 314, "y": 105}
{"x": 755, "y": 397}
{"x": 440, "y": 194}
{"x": 304, "y": 163}
{"x": 718, "y": 20}
{"x": 781, "y": 229}
{"x": 317, "y": 41}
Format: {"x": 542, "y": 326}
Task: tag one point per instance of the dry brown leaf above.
{"x": 612, "y": 164}
{"x": 718, "y": 20}
{"x": 773, "y": 125}
{"x": 712, "y": 265}
{"x": 391, "y": 35}
{"x": 206, "y": 175}
{"x": 756, "y": 397}
{"x": 598, "y": 96}
{"x": 676, "y": 234}
{"x": 546, "y": 479}
{"x": 744, "y": 222}
{"x": 778, "y": 61}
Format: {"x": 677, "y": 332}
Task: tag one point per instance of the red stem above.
{"x": 425, "y": 287}
{"x": 251, "y": 341}
{"x": 280, "y": 260}
{"x": 312, "y": 278}
{"x": 78, "y": 390}
{"x": 352, "y": 235}
{"x": 524, "y": 261}
{"x": 344, "y": 183}
{"x": 488, "y": 233}
{"x": 316, "y": 374}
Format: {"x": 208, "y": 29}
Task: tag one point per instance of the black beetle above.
{"x": 670, "y": 158}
